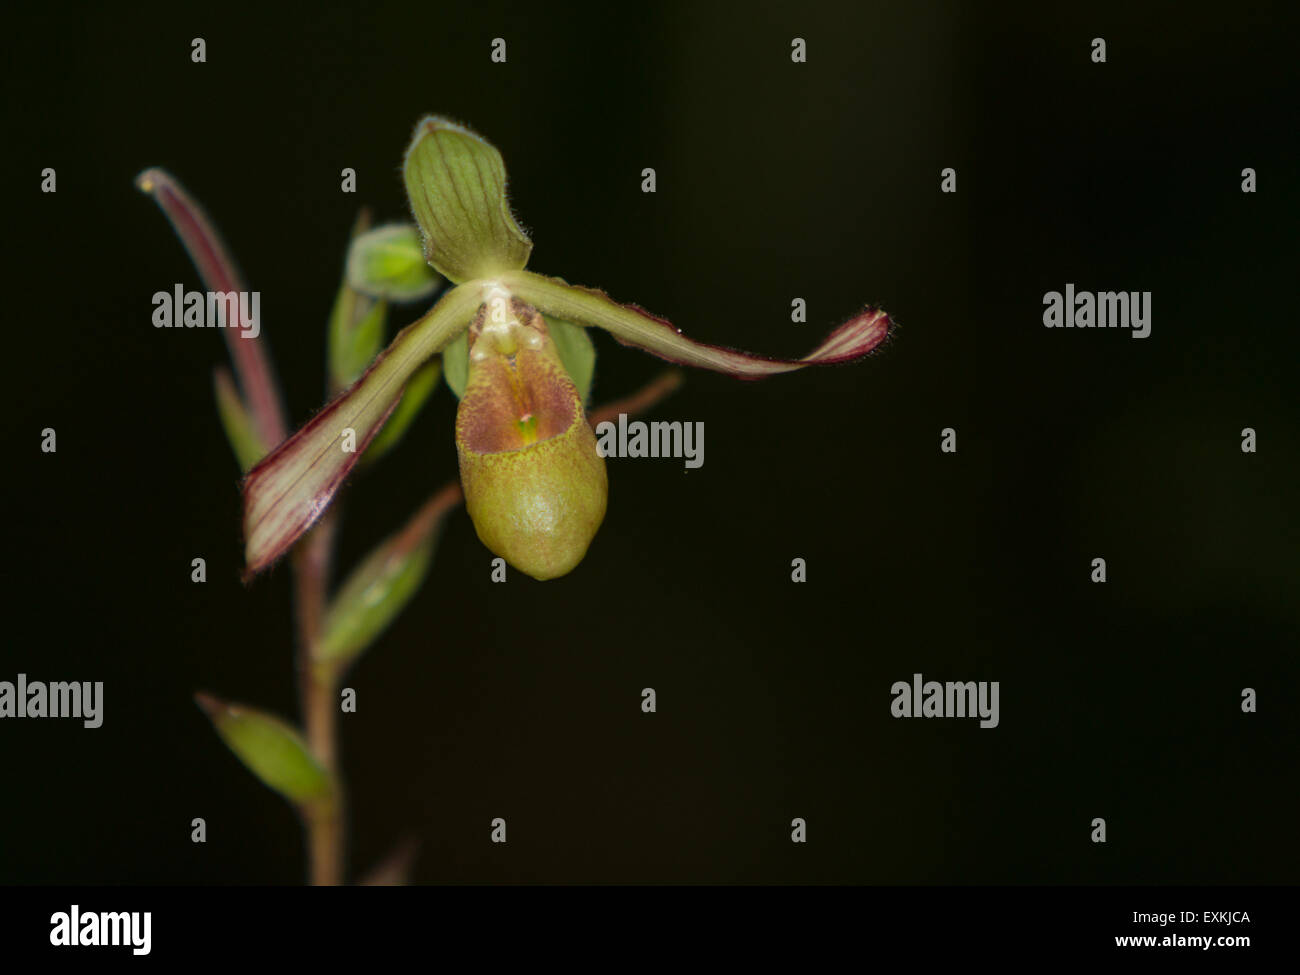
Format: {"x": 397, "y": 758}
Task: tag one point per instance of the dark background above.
{"x": 775, "y": 180}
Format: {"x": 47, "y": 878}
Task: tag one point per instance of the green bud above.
{"x": 388, "y": 262}
{"x": 534, "y": 483}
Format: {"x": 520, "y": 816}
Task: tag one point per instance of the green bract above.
{"x": 271, "y": 749}
{"x": 239, "y": 426}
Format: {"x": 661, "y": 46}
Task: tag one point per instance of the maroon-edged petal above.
{"x": 290, "y": 488}
{"x": 635, "y": 326}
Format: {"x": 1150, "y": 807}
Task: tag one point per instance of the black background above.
{"x": 775, "y": 180}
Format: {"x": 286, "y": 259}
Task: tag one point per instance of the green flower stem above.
{"x": 324, "y": 824}
{"x": 318, "y": 682}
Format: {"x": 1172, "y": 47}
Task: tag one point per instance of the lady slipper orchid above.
{"x": 514, "y": 348}
{"x": 512, "y": 345}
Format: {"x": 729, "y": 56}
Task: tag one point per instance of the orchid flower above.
{"x": 514, "y": 348}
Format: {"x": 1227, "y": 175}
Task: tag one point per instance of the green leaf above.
{"x": 356, "y": 334}
{"x": 237, "y": 421}
{"x": 456, "y": 184}
{"x": 571, "y": 341}
{"x": 388, "y": 262}
{"x": 418, "y": 388}
{"x": 272, "y": 750}
{"x": 382, "y": 585}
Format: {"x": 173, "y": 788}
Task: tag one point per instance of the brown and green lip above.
{"x": 534, "y": 482}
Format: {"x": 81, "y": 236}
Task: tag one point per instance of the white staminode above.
{"x": 501, "y": 327}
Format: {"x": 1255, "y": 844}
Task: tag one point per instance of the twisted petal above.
{"x": 636, "y": 326}
{"x": 288, "y": 491}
